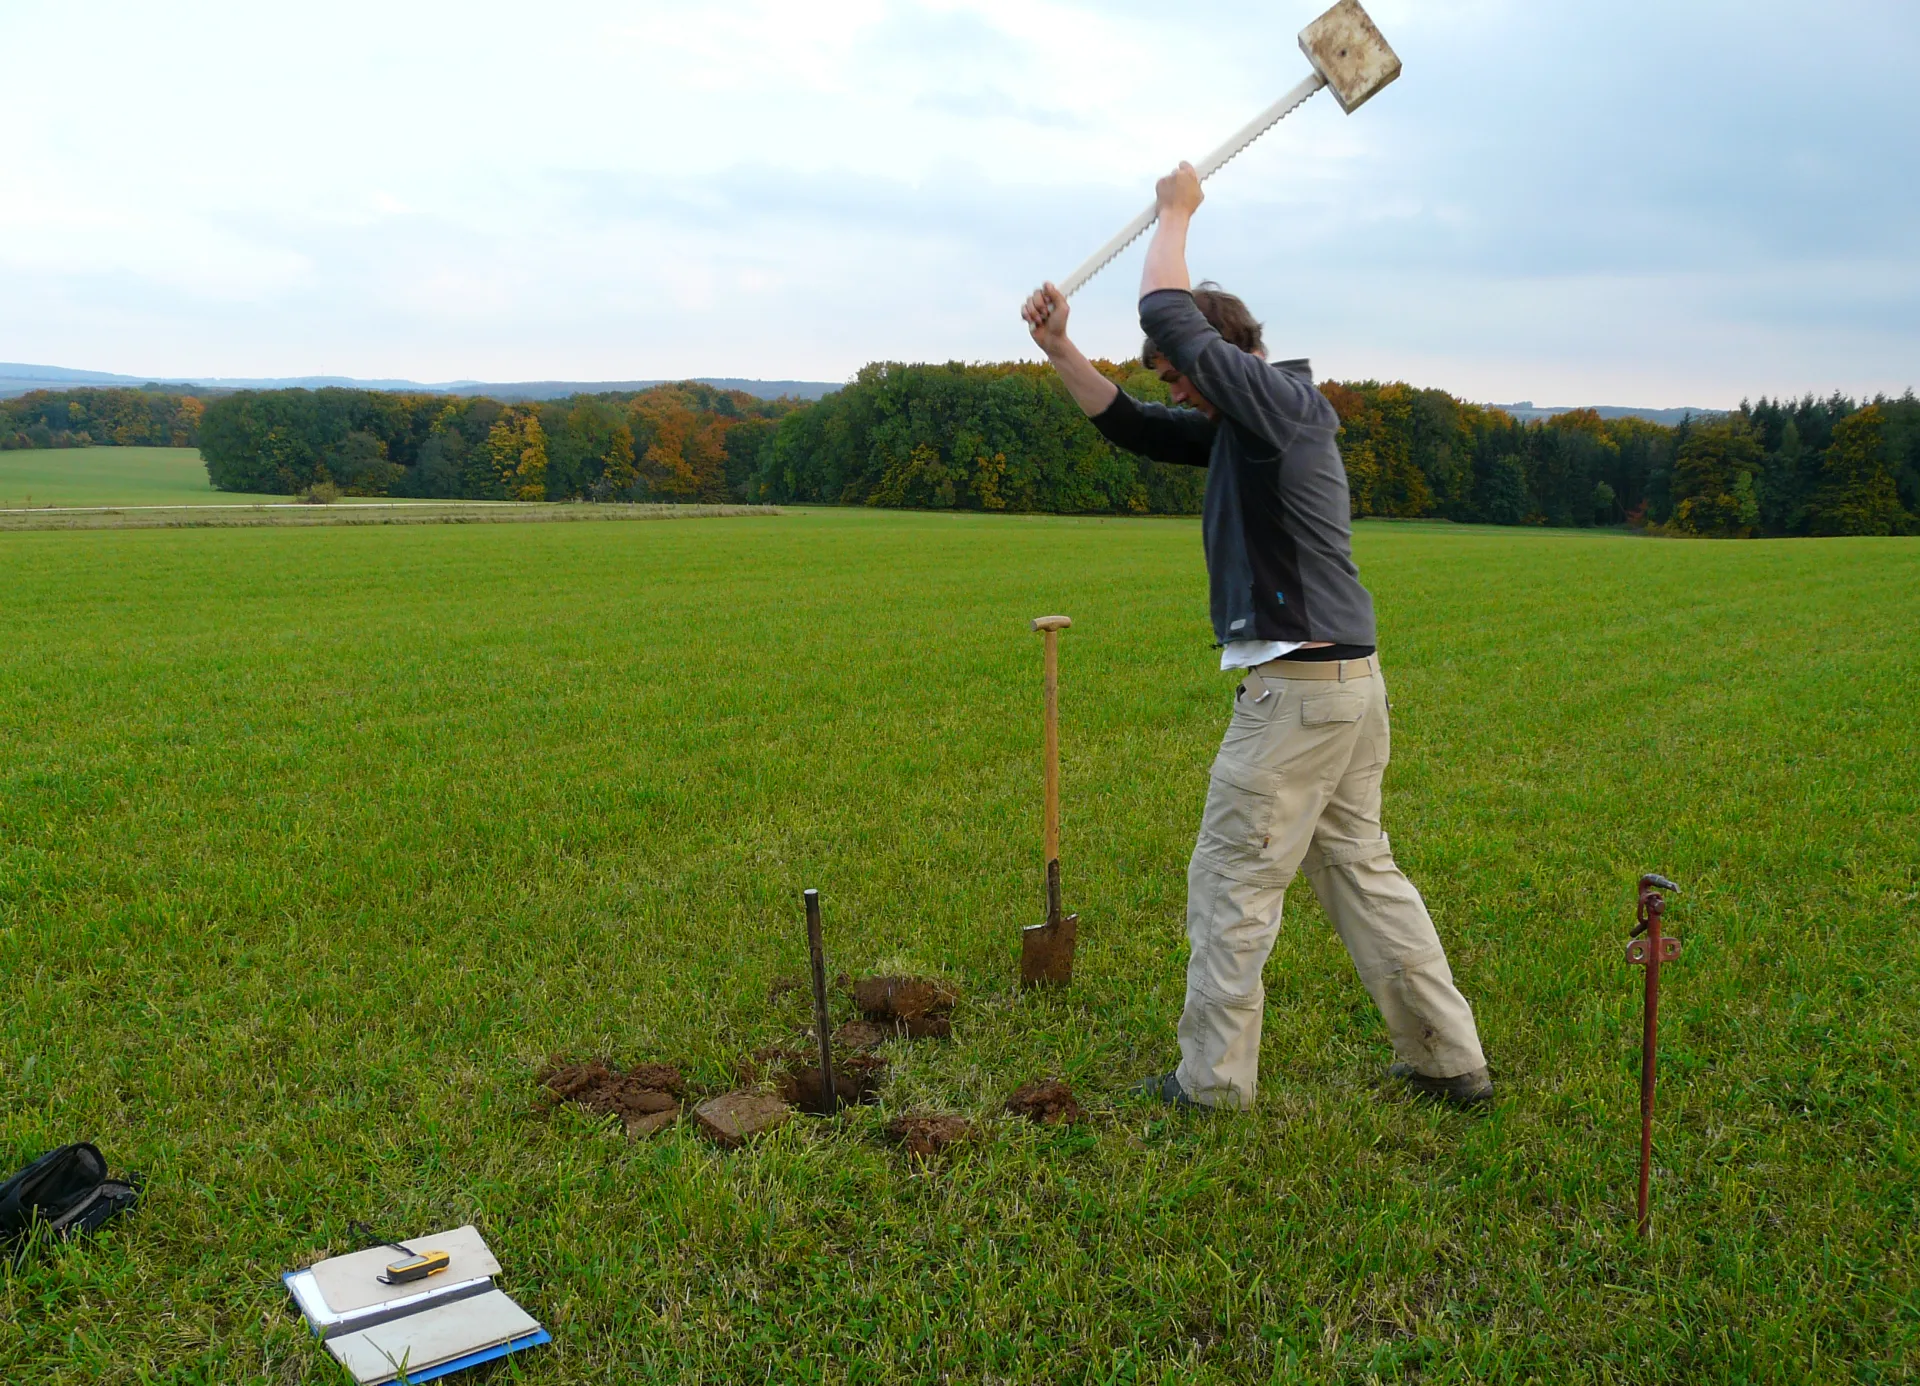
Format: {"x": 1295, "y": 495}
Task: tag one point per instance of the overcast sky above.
{"x": 1649, "y": 202}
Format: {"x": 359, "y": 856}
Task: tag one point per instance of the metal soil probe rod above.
{"x": 1649, "y": 952}
{"x": 817, "y": 959}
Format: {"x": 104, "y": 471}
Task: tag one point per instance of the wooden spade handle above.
{"x": 1049, "y": 627}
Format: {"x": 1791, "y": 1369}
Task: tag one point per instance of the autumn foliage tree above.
{"x": 516, "y": 452}
{"x": 1713, "y": 481}
{"x": 969, "y": 437}
{"x": 1858, "y": 495}
{"x": 1376, "y": 442}
{"x": 618, "y": 471}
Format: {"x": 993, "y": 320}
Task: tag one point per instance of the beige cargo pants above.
{"x": 1297, "y": 784}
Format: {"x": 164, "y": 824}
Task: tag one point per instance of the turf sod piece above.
{"x": 917, "y": 1007}
{"x": 732, "y": 1119}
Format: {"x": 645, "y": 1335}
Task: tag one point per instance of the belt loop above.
{"x": 1343, "y": 671}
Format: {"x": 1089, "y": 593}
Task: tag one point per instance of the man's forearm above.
{"x": 1092, "y": 391}
{"x": 1166, "y": 266}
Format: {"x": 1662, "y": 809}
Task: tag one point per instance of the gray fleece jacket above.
{"x": 1278, "y": 540}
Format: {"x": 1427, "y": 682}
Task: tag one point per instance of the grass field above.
{"x": 314, "y": 844}
{"x": 111, "y": 476}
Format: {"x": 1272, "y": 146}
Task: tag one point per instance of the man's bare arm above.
{"x": 1180, "y": 197}
{"x": 1045, "y": 312}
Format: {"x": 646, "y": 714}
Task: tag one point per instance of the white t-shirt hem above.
{"x": 1246, "y": 654}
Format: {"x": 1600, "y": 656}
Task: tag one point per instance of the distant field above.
{"x": 315, "y": 843}
{"x": 111, "y": 476}
{"x": 281, "y": 513}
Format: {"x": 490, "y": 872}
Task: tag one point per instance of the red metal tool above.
{"x": 1649, "y": 952}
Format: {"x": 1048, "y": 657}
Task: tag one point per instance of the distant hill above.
{"x": 18, "y": 379}
{"x": 560, "y": 389}
{"x": 1527, "y": 412}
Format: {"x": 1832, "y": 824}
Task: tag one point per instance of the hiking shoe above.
{"x": 1165, "y": 1088}
{"x": 1465, "y": 1090}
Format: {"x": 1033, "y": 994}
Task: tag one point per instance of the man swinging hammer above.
{"x": 1296, "y": 785}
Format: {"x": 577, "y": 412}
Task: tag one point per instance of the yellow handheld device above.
{"x": 418, "y": 1266}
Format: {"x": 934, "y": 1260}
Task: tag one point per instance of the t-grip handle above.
{"x": 1052, "y": 622}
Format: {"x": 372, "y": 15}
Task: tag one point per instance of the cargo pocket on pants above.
{"x": 1236, "y": 830}
{"x": 1320, "y": 709}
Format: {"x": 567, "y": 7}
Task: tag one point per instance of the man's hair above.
{"x": 1230, "y": 317}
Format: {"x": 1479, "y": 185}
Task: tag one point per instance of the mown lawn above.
{"x": 111, "y": 476}
{"x": 315, "y": 844}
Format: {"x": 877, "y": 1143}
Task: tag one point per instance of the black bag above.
{"x": 68, "y": 1190}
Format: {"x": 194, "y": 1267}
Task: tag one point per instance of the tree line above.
{"x": 997, "y": 437}
{"x": 991, "y": 437}
{"x": 100, "y": 418}
{"x": 1007, "y": 437}
{"x": 684, "y": 442}
{"x": 1806, "y": 466}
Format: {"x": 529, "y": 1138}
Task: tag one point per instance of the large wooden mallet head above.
{"x": 1347, "y": 50}
{"x": 1348, "y": 56}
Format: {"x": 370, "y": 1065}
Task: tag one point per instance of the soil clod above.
{"x": 642, "y": 1091}
{"x": 639, "y": 1128}
{"x": 860, "y": 1034}
{"x": 1048, "y": 1101}
{"x": 664, "y": 1077}
{"x": 735, "y": 1118}
{"x": 918, "y": 1007}
{"x": 856, "y": 1080}
{"x": 929, "y": 1134}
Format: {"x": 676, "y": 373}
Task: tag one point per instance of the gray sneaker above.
{"x": 1464, "y": 1090}
{"x": 1166, "y": 1088}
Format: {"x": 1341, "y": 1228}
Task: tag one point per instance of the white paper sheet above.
{"x": 348, "y": 1283}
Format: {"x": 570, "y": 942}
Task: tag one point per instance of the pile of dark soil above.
{"x": 645, "y": 1097}
{"x": 917, "y": 1007}
{"x": 1048, "y": 1101}
{"x": 648, "y": 1097}
{"x": 856, "y": 1081}
{"x": 926, "y": 1135}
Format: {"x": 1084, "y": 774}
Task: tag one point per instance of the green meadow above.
{"x": 111, "y": 476}
{"x": 316, "y": 843}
